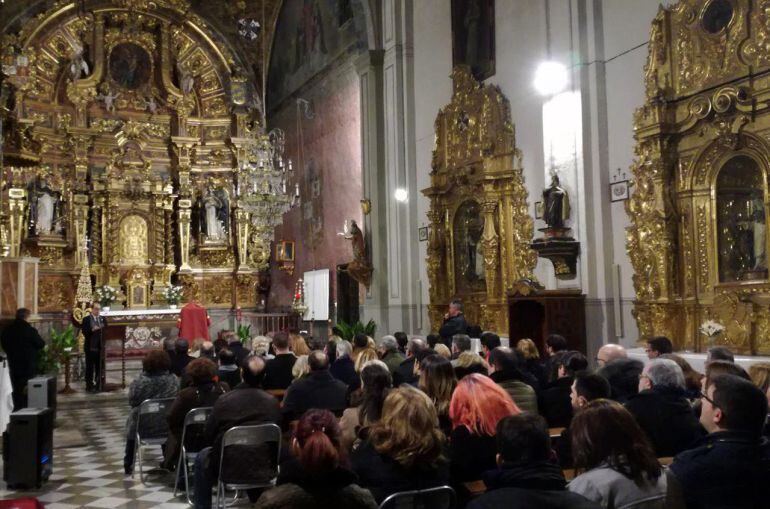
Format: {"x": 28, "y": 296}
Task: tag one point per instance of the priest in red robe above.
{"x": 193, "y": 322}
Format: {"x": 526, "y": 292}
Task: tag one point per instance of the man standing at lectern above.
{"x": 93, "y": 332}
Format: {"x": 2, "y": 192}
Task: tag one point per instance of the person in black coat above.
{"x": 662, "y": 409}
{"x": 730, "y": 467}
{"x": 454, "y": 323}
{"x": 554, "y": 401}
{"x": 526, "y": 477}
{"x": 181, "y": 359}
{"x": 344, "y": 368}
{"x": 93, "y": 331}
{"x": 623, "y": 376}
{"x": 318, "y": 389}
{"x": 235, "y": 346}
{"x": 228, "y": 371}
{"x": 278, "y": 370}
{"x": 405, "y": 372}
{"x": 21, "y": 343}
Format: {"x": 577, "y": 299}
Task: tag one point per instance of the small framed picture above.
{"x": 538, "y": 210}
{"x": 619, "y": 191}
{"x": 422, "y": 233}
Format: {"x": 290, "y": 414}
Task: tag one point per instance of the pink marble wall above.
{"x": 329, "y": 172}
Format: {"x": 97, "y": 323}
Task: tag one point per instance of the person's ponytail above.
{"x": 317, "y": 436}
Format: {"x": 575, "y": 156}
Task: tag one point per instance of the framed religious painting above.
{"x": 473, "y": 36}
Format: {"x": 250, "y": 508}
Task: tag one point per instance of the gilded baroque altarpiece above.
{"x": 698, "y": 240}
{"x": 480, "y": 227}
{"x": 125, "y": 125}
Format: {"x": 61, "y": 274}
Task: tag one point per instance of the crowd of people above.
{"x": 365, "y": 419}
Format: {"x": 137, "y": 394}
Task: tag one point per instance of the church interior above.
{"x": 409, "y": 240}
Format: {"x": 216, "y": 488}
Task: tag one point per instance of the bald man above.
{"x": 610, "y": 352}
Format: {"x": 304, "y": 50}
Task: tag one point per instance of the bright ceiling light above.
{"x": 551, "y": 78}
{"x": 401, "y": 194}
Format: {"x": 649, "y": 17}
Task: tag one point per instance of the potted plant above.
{"x": 57, "y": 351}
{"x": 105, "y": 295}
{"x": 173, "y": 295}
{"x": 349, "y": 331}
{"x": 244, "y": 334}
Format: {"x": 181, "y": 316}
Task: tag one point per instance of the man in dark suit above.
{"x": 21, "y": 343}
{"x": 93, "y": 331}
{"x": 319, "y": 389}
{"x": 454, "y": 323}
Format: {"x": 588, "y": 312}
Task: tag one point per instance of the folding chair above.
{"x": 191, "y": 443}
{"x": 240, "y": 445}
{"x": 441, "y": 497}
{"x": 151, "y": 428}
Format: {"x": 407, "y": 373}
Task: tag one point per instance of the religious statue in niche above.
{"x": 78, "y": 65}
{"x": 557, "y": 245}
{"x": 468, "y": 252}
{"x": 360, "y": 268}
{"x": 186, "y": 79}
{"x": 473, "y": 36}
{"x": 45, "y": 215}
{"x": 214, "y": 216}
{"x": 556, "y": 209}
{"x": 130, "y": 65}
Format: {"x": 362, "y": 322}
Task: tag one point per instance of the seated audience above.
{"x": 432, "y": 340}
{"x": 245, "y": 405}
{"x": 376, "y": 382}
{"x": 587, "y": 387}
{"x": 616, "y": 460}
{"x": 278, "y": 369}
{"x": 730, "y": 467}
{"x": 300, "y": 368}
{"x": 692, "y": 379}
{"x": 555, "y": 344}
{"x": 219, "y": 344}
{"x": 468, "y": 362}
{"x": 454, "y": 323}
{"x": 623, "y": 376}
{"x": 760, "y": 375}
{"x": 181, "y": 359}
{"x": 154, "y": 382}
{"x": 360, "y": 343}
{"x": 489, "y": 341}
{"x": 662, "y": 410}
{"x": 319, "y": 389}
{"x": 504, "y": 369}
{"x": 477, "y": 406}
{"x": 554, "y": 400}
{"x": 403, "y": 341}
{"x": 316, "y": 476}
{"x": 437, "y": 380}
{"x": 525, "y": 477}
{"x": 460, "y": 343}
{"x": 609, "y": 352}
{"x": 208, "y": 351}
{"x": 716, "y": 368}
{"x": 260, "y": 345}
{"x": 195, "y": 347}
{"x": 330, "y": 349}
{"x": 364, "y": 356}
{"x": 405, "y": 374}
{"x": 228, "y": 368}
{"x": 203, "y": 391}
{"x": 344, "y": 368}
{"x": 720, "y": 353}
{"x": 390, "y": 354}
{"x": 298, "y": 345}
{"x": 405, "y": 448}
{"x": 234, "y": 345}
{"x": 531, "y": 356}
{"x": 443, "y": 350}
{"x": 658, "y": 346}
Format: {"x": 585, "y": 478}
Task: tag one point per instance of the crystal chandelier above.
{"x": 263, "y": 183}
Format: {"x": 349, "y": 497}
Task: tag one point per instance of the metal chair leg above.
{"x": 187, "y": 481}
{"x": 178, "y": 469}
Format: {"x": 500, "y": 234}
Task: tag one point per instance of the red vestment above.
{"x": 193, "y": 322}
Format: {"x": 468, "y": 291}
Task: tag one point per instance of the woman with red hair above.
{"x": 316, "y": 477}
{"x": 477, "y": 405}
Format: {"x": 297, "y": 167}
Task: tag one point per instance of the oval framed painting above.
{"x": 130, "y": 65}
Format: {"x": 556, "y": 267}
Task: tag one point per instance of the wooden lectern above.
{"x": 535, "y": 313}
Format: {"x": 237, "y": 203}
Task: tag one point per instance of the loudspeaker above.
{"x": 41, "y": 393}
{"x": 28, "y": 448}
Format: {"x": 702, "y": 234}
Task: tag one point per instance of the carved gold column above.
{"x": 243, "y": 220}
{"x": 185, "y": 150}
{"x": 490, "y": 243}
{"x": 17, "y": 207}
{"x": 80, "y": 141}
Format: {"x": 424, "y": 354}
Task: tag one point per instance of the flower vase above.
{"x": 106, "y": 309}
{"x": 172, "y": 306}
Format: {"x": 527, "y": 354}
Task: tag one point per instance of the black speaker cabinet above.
{"x": 28, "y": 448}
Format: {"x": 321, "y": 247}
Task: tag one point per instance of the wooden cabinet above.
{"x": 536, "y": 313}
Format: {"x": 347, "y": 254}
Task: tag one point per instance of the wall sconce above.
{"x": 366, "y": 206}
{"x": 284, "y": 256}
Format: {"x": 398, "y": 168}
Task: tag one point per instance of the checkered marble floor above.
{"x": 92, "y": 475}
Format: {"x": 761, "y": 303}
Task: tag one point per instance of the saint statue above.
{"x": 45, "y": 210}
{"x": 214, "y": 216}
{"x": 78, "y": 64}
{"x": 360, "y": 268}
{"x": 556, "y": 208}
{"x": 186, "y": 80}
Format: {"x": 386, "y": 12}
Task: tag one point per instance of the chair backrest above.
{"x": 250, "y": 454}
{"x": 441, "y": 497}
{"x": 151, "y": 419}
{"x": 195, "y": 428}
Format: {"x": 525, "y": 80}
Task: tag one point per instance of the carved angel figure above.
{"x": 78, "y": 65}
{"x": 108, "y": 98}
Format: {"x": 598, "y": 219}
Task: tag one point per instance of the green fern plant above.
{"x": 349, "y": 330}
{"x": 244, "y": 333}
{"x": 61, "y": 346}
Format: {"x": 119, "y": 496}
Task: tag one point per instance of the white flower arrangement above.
{"x": 173, "y": 294}
{"x": 711, "y": 329}
{"x": 105, "y": 295}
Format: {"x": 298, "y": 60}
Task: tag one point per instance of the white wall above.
{"x": 597, "y": 39}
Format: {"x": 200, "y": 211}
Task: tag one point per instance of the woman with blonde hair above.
{"x": 438, "y": 381}
{"x": 364, "y": 356}
{"x": 405, "y": 448}
{"x": 469, "y": 362}
{"x": 531, "y": 356}
{"x": 443, "y": 350}
{"x": 300, "y": 367}
{"x": 298, "y": 345}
